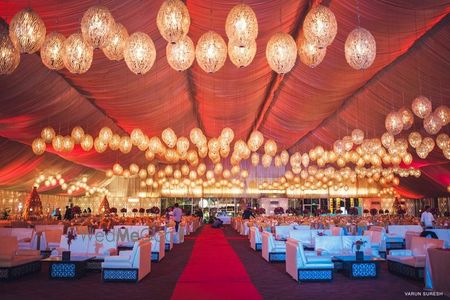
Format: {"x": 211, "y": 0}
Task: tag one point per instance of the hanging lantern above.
{"x": 281, "y": 52}
{"x": 169, "y": 137}
{"x": 432, "y": 124}
{"x": 443, "y": 113}
{"x": 58, "y": 143}
{"x": 357, "y": 136}
{"x": 182, "y": 145}
{"x": 99, "y": 145}
{"x": 9, "y": 54}
{"x": 52, "y": 51}
{"x": 429, "y": 143}
{"x": 47, "y": 134}
{"x": 284, "y": 155}
{"x": 78, "y": 54}
{"x": 134, "y": 169}
{"x": 173, "y": 20}
{"x": 442, "y": 140}
{"x": 211, "y": 52}
{"x": 241, "y": 56}
{"x": 137, "y": 136}
{"x": 109, "y": 173}
{"x": 338, "y": 147}
{"x": 97, "y": 25}
{"x": 87, "y": 142}
{"x": 309, "y": 53}
{"x": 360, "y": 49}
{"x": 255, "y": 140}
{"x": 414, "y": 139}
{"x": 105, "y": 134}
{"x": 181, "y": 55}
{"x": 422, "y": 151}
{"x": 117, "y": 40}
{"x": 394, "y": 123}
{"x": 241, "y": 25}
{"x": 270, "y": 148}
{"x": 139, "y": 53}
{"x": 227, "y": 135}
{"x": 149, "y": 155}
{"x": 387, "y": 140}
{"x": 421, "y": 106}
{"x": 407, "y": 117}
{"x": 114, "y": 142}
{"x": 255, "y": 159}
{"x": 125, "y": 144}
{"x": 77, "y": 134}
{"x": 68, "y": 143}
{"x": 117, "y": 169}
{"x": 320, "y": 26}
{"x": 446, "y": 152}
{"x": 27, "y": 31}
{"x": 266, "y": 160}
{"x": 196, "y": 136}
{"x": 38, "y": 146}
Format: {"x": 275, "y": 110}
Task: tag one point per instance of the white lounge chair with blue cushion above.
{"x": 255, "y": 239}
{"x": 170, "y": 234}
{"x": 158, "y": 246}
{"x": 131, "y": 265}
{"x": 307, "y": 266}
{"x": 272, "y": 250}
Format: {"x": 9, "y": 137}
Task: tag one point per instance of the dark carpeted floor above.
{"x": 273, "y": 282}
{"x": 159, "y": 284}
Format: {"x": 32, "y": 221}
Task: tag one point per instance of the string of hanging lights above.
{"x": 27, "y": 34}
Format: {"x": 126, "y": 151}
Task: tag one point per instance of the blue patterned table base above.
{"x": 315, "y": 275}
{"x": 120, "y": 275}
{"x": 277, "y": 256}
{"x": 405, "y": 270}
{"x": 155, "y": 256}
{"x": 364, "y": 270}
{"x": 167, "y": 246}
{"x": 258, "y": 246}
{"x": 63, "y": 270}
{"x": 19, "y": 271}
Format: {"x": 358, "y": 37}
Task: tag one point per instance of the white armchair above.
{"x": 272, "y": 250}
{"x": 255, "y": 239}
{"x": 158, "y": 246}
{"x": 170, "y": 234}
{"x": 132, "y": 265}
{"x": 306, "y": 266}
{"x": 179, "y": 236}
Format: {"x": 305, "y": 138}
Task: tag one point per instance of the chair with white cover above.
{"x": 179, "y": 236}
{"x": 307, "y": 266}
{"x": 131, "y": 265}
{"x": 255, "y": 239}
{"x": 15, "y": 262}
{"x": 158, "y": 245}
{"x": 272, "y": 250}
{"x": 337, "y": 231}
{"x": 395, "y": 238}
{"x": 170, "y": 234}
{"x": 50, "y": 239}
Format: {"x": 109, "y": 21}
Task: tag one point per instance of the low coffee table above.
{"x": 67, "y": 269}
{"x": 360, "y": 269}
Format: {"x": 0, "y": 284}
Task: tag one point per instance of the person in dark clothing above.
{"x": 247, "y": 214}
{"x": 68, "y": 213}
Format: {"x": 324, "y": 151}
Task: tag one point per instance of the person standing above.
{"x": 177, "y": 214}
{"x": 427, "y": 218}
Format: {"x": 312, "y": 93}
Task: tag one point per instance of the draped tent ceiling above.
{"x": 304, "y": 108}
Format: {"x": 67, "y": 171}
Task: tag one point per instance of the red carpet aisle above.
{"x": 214, "y": 271}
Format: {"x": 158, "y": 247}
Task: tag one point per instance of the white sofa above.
{"x": 132, "y": 265}
{"x": 343, "y": 245}
{"x": 272, "y": 250}
{"x": 179, "y": 236}
{"x": 26, "y": 237}
{"x": 306, "y": 266}
{"x": 377, "y": 241}
{"x": 307, "y": 237}
{"x": 158, "y": 245}
{"x": 170, "y": 233}
{"x": 395, "y": 238}
{"x": 255, "y": 239}
{"x": 99, "y": 245}
{"x": 126, "y": 235}
{"x": 16, "y": 262}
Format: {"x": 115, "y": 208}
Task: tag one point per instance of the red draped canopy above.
{"x": 301, "y": 109}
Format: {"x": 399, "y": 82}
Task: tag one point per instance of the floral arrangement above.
{"x": 366, "y": 211}
{"x": 352, "y": 211}
{"x": 113, "y": 210}
{"x": 373, "y": 211}
{"x": 381, "y": 211}
{"x": 321, "y": 233}
{"x": 76, "y": 210}
{"x": 260, "y": 211}
{"x": 291, "y": 211}
{"x": 278, "y": 210}
{"x": 338, "y": 211}
{"x": 148, "y": 210}
{"x": 141, "y": 210}
{"x": 155, "y": 210}
{"x": 306, "y": 211}
{"x": 386, "y": 211}
{"x": 358, "y": 244}
{"x": 401, "y": 211}
{"x": 71, "y": 235}
{"x": 134, "y": 211}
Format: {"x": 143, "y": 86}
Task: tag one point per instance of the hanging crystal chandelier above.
{"x": 97, "y": 25}
{"x": 421, "y": 106}
{"x": 139, "y": 53}
{"x": 87, "y": 142}
{"x": 116, "y": 45}
{"x": 394, "y": 123}
{"x": 281, "y": 52}
{"x": 77, "y": 134}
{"x": 52, "y": 51}
{"x": 309, "y": 53}
{"x": 38, "y": 146}
{"x": 320, "y": 26}
{"x": 432, "y": 124}
{"x": 270, "y": 148}
{"x": 414, "y": 139}
{"x": 211, "y": 52}
{"x": 241, "y": 25}
{"x": 173, "y": 20}
{"x": 169, "y": 137}
{"x": 78, "y": 54}
{"x": 255, "y": 140}
{"x": 407, "y": 117}
{"x": 357, "y": 136}
{"x": 241, "y": 56}
{"x": 48, "y": 133}
{"x": 27, "y": 31}
{"x": 9, "y": 54}
{"x": 360, "y": 49}
{"x": 181, "y": 54}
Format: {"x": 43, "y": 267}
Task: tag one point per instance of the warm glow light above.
{"x": 181, "y": 54}
{"x": 421, "y": 106}
{"x": 360, "y": 49}
{"x": 309, "y": 53}
{"x": 78, "y": 54}
{"x": 9, "y": 54}
{"x": 211, "y": 52}
{"x": 117, "y": 40}
{"x": 394, "y": 123}
{"x": 173, "y": 20}
{"x": 27, "y": 31}
{"x": 281, "y": 52}
{"x": 241, "y": 56}
{"x": 97, "y": 26}
{"x": 52, "y": 51}
{"x": 320, "y": 26}
{"x": 241, "y": 25}
{"x": 139, "y": 53}
{"x": 38, "y": 146}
